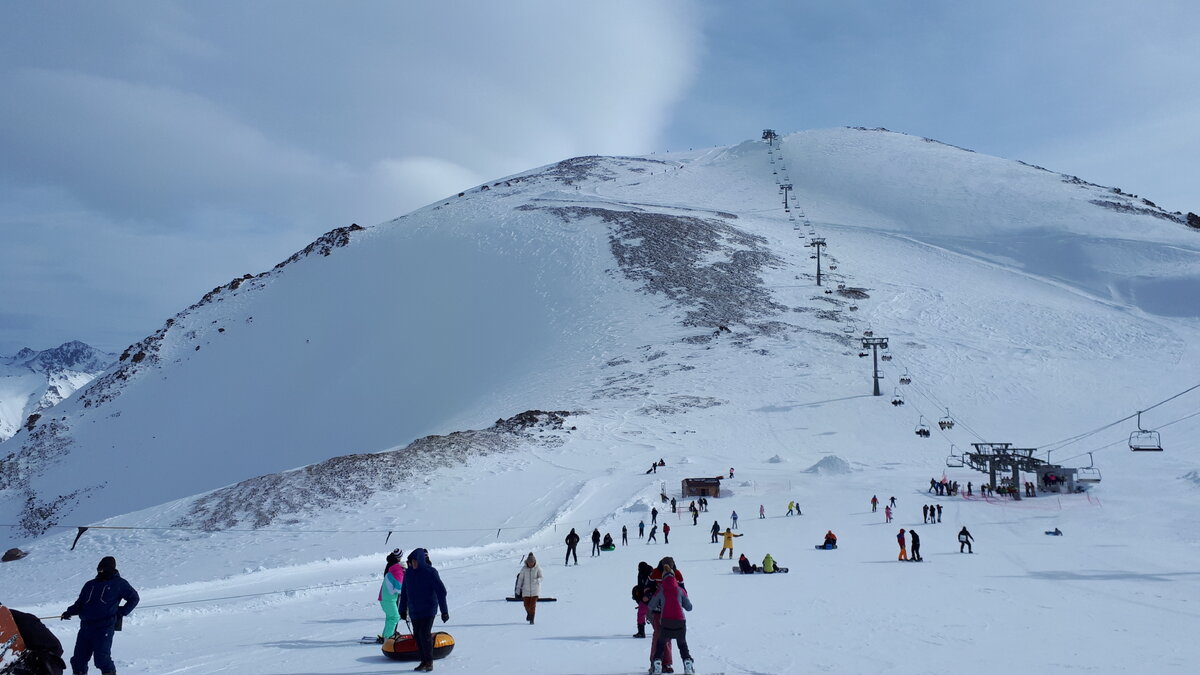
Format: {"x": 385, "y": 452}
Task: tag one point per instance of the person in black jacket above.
{"x": 422, "y": 594}
{"x": 43, "y": 652}
{"x": 572, "y": 541}
{"x": 916, "y": 546}
{"x": 100, "y": 612}
{"x": 596, "y": 542}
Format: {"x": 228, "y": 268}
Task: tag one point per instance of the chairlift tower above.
{"x": 769, "y": 136}
{"x": 818, "y": 243}
{"x": 785, "y": 187}
{"x": 875, "y": 343}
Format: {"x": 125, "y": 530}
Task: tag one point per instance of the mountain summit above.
{"x": 32, "y": 381}
{"x": 659, "y": 287}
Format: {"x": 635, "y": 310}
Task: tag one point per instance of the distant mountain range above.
{"x": 32, "y": 381}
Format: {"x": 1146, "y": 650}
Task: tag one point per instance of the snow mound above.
{"x": 776, "y": 459}
{"x": 830, "y": 464}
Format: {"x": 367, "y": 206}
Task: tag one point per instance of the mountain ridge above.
{"x": 525, "y": 294}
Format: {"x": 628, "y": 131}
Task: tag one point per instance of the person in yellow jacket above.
{"x": 768, "y": 566}
{"x": 728, "y": 545}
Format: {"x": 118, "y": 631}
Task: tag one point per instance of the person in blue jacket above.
{"x": 421, "y": 595}
{"x": 100, "y": 612}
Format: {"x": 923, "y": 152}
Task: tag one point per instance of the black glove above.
{"x": 445, "y": 617}
{"x": 65, "y": 616}
{"x": 404, "y": 616}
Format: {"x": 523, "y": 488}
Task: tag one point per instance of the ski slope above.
{"x": 945, "y": 245}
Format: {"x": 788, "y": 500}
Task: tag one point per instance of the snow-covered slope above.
{"x": 32, "y": 381}
{"x": 662, "y": 307}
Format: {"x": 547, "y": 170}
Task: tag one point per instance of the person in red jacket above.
{"x": 666, "y": 533}
{"x": 900, "y": 540}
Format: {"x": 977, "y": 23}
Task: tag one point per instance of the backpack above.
{"x": 962, "y": 537}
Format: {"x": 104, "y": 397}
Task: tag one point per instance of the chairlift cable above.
{"x": 1123, "y": 441}
{"x": 1075, "y": 439}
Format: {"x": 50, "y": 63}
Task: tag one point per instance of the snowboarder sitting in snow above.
{"x": 744, "y": 565}
{"x": 830, "y": 540}
{"x": 769, "y": 565}
{"x": 608, "y": 542}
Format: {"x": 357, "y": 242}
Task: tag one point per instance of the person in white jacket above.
{"x": 529, "y": 585}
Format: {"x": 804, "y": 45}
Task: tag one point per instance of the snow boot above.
{"x": 688, "y": 667}
{"x": 657, "y": 669}
{"x": 641, "y": 631}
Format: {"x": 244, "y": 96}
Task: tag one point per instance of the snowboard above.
{"x": 821, "y": 547}
{"x": 778, "y": 570}
{"x": 513, "y": 598}
{"x": 369, "y": 640}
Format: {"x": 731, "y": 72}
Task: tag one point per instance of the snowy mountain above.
{"x": 485, "y": 373}
{"x": 32, "y": 381}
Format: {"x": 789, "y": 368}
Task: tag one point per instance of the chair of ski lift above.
{"x": 868, "y": 333}
{"x": 886, "y": 357}
{"x": 954, "y": 461}
{"x": 853, "y": 308}
{"x": 946, "y": 422}
{"x": 862, "y": 355}
{"x": 828, "y": 292}
{"x": 922, "y": 429}
{"x": 1144, "y": 440}
{"x": 897, "y": 399}
{"x": 905, "y": 379}
{"x": 1089, "y": 473}
{"x": 833, "y": 267}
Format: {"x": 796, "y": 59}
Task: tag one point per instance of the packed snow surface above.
{"x": 666, "y": 307}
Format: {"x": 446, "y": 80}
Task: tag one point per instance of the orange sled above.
{"x": 404, "y": 647}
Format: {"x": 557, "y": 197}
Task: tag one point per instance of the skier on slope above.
{"x": 916, "y": 547}
{"x": 716, "y": 531}
{"x": 965, "y": 539}
{"x": 900, "y": 540}
{"x": 572, "y": 541}
{"x": 727, "y": 545}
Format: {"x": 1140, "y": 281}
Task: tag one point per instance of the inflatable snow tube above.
{"x": 404, "y": 647}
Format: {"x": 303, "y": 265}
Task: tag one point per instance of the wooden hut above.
{"x": 701, "y": 487}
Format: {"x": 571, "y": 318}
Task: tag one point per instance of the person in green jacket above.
{"x": 768, "y": 565}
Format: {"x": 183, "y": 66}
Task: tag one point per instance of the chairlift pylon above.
{"x": 1144, "y": 440}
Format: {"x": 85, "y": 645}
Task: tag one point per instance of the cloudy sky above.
{"x": 150, "y": 151}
